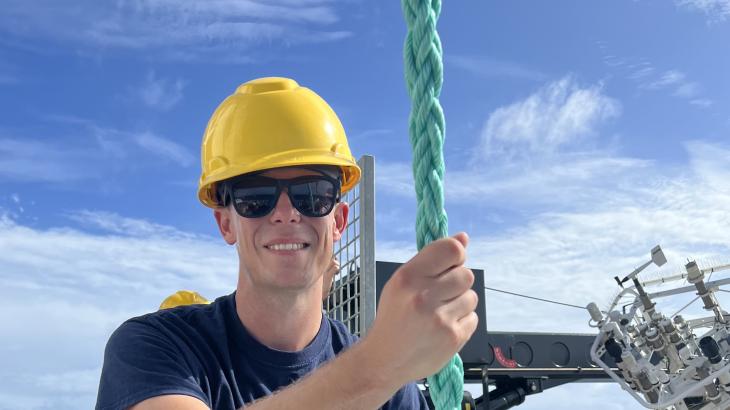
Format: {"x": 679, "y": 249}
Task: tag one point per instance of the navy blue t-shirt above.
{"x": 204, "y": 351}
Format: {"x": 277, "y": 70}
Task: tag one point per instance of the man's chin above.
{"x": 292, "y": 280}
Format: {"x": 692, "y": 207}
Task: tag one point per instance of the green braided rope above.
{"x": 424, "y": 76}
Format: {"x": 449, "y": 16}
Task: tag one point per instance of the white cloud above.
{"x": 65, "y": 291}
{"x": 165, "y": 148}
{"x": 702, "y": 102}
{"x": 586, "y": 220}
{"x": 373, "y": 133}
{"x": 74, "y": 381}
{"x": 395, "y": 251}
{"x": 613, "y": 61}
{"x": 530, "y": 155}
{"x": 647, "y": 77}
{"x": 490, "y": 67}
{"x": 716, "y": 10}
{"x": 641, "y": 70}
{"x": 73, "y": 157}
{"x": 394, "y": 178}
{"x": 572, "y": 256}
{"x": 675, "y": 80}
{"x": 687, "y": 90}
{"x": 20, "y": 159}
{"x": 116, "y": 144}
{"x": 16, "y": 201}
{"x": 311, "y": 12}
{"x": 565, "y": 180}
{"x": 116, "y": 224}
{"x": 641, "y": 73}
{"x": 135, "y": 254}
{"x": 671, "y": 77}
{"x": 559, "y": 114}
{"x": 585, "y": 217}
{"x": 161, "y": 93}
{"x": 186, "y": 29}
{"x": 710, "y": 162}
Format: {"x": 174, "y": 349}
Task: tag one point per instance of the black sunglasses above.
{"x": 255, "y": 196}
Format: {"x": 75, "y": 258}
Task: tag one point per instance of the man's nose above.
{"x": 284, "y": 211}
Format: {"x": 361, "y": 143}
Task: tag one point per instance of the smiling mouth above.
{"x": 287, "y": 246}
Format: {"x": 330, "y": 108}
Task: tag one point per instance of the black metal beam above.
{"x": 511, "y": 353}
{"x": 517, "y": 363}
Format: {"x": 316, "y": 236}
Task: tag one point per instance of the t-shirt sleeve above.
{"x": 407, "y": 398}
{"x": 140, "y": 363}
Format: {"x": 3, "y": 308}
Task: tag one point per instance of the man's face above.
{"x": 265, "y": 244}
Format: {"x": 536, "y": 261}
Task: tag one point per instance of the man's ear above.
{"x": 341, "y": 211}
{"x": 225, "y": 224}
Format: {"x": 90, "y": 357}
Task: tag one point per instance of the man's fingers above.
{"x": 460, "y": 306}
{"x": 438, "y": 256}
{"x": 467, "y": 326}
{"x": 450, "y": 284}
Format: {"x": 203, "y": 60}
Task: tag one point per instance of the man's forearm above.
{"x": 350, "y": 381}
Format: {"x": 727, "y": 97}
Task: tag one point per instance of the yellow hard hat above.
{"x": 270, "y": 123}
{"x": 182, "y": 298}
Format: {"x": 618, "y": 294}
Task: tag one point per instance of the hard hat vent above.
{"x": 267, "y": 85}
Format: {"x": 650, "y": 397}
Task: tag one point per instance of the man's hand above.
{"x": 426, "y": 313}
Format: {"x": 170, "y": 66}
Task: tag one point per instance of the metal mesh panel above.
{"x": 352, "y": 297}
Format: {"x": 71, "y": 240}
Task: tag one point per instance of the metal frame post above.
{"x": 367, "y": 243}
{"x": 352, "y": 298}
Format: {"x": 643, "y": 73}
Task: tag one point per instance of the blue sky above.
{"x": 579, "y": 135}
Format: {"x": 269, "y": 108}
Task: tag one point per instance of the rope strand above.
{"x": 422, "y": 58}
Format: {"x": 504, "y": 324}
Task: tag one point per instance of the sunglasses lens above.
{"x": 313, "y": 198}
{"x": 254, "y": 202}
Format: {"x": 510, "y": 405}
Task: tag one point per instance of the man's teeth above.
{"x": 286, "y": 246}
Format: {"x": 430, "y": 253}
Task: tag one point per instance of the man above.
{"x": 275, "y": 162}
{"x": 329, "y": 278}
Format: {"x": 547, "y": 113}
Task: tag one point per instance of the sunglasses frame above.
{"x": 226, "y": 189}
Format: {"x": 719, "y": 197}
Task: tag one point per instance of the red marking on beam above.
{"x": 505, "y": 362}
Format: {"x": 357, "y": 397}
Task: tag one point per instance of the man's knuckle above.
{"x": 441, "y": 322}
{"x": 470, "y": 277}
{"x": 454, "y": 247}
{"x": 403, "y": 278}
{"x": 420, "y": 301}
{"x": 455, "y": 337}
{"x": 473, "y": 299}
{"x": 473, "y": 322}
{"x": 466, "y": 277}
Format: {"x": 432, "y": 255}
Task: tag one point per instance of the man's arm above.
{"x": 426, "y": 314}
{"x": 171, "y": 401}
{"x": 349, "y": 381}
